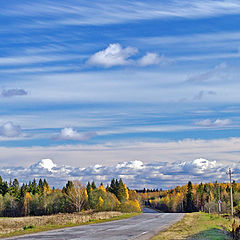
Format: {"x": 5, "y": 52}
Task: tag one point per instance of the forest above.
{"x": 36, "y": 198}
{"x": 206, "y": 197}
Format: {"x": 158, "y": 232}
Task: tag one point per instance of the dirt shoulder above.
{"x": 24, "y": 225}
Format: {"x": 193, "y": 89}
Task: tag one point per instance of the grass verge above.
{"x": 35, "y": 229}
{"x": 198, "y": 226}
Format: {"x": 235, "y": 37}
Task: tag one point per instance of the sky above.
{"x": 92, "y": 86}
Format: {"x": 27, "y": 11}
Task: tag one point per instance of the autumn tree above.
{"x": 77, "y": 194}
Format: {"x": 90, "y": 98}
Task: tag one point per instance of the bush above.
{"x": 28, "y": 227}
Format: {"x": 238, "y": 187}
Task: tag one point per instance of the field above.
{"x": 24, "y": 225}
{"x": 198, "y": 226}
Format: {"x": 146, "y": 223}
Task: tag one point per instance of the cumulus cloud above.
{"x": 10, "y": 130}
{"x": 149, "y": 59}
{"x": 198, "y": 166}
{"x": 71, "y": 134}
{"x": 113, "y": 55}
{"x": 131, "y": 165}
{"x": 135, "y": 173}
{"x": 214, "y": 123}
{"x": 13, "y": 92}
{"x": 152, "y": 59}
{"x": 43, "y": 164}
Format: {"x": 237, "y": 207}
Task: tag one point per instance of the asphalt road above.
{"x": 139, "y": 227}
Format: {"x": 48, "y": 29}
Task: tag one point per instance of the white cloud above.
{"x": 43, "y": 164}
{"x": 132, "y": 164}
{"x": 224, "y": 151}
{"x": 135, "y": 173}
{"x": 153, "y": 59}
{"x": 198, "y": 166}
{"x": 116, "y": 55}
{"x": 71, "y": 134}
{"x": 214, "y": 123}
{"x": 113, "y": 55}
{"x": 150, "y": 59}
{"x": 10, "y": 130}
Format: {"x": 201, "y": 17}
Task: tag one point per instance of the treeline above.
{"x": 195, "y": 197}
{"x": 37, "y": 198}
{"x": 147, "y": 190}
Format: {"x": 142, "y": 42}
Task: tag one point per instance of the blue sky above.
{"x": 95, "y": 75}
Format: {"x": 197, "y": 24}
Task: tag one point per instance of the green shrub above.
{"x": 28, "y": 227}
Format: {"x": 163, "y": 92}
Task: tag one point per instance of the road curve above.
{"x": 139, "y": 227}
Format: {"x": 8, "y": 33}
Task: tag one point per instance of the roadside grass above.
{"x": 34, "y": 229}
{"x": 196, "y": 226}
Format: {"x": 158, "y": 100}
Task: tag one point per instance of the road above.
{"x": 140, "y": 227}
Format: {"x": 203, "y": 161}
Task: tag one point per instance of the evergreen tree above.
{"x": 200, "y": 195}
{"x": 35, "y": 188}
{"x": 30, "y": 187}
{"x": 190, "y": 198}
{"x": 121, "y": 192}
{"x": 89, "y": 188}
{"x": 113, "y": 187}
{"x": 93, "y": 185}
{"x": 40, "y": 185}
{"x": 108, "y": 188}
{"x": 14, "y": 189}
{"x": 3, "y": 187}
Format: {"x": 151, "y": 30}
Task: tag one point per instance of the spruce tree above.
{"x": 113, "y": 188}
{"x": 40, "y": 185}
{"x": 89, "y": 188}
{"x": 93, "y": 185}
{"x": 190, "y": 198}
{"x": 3, "y": 187}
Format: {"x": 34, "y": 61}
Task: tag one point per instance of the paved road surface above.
{"x": 139, "y": 227}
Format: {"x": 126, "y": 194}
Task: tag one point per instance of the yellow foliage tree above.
{"x": 101, "y": 187}
{"x": 130, "y": 206}
{"x": 46, "y": 189}
{"x": 126, "y": 191}
{"x": 100, "y": 203}
{"x": 27, "y": 199}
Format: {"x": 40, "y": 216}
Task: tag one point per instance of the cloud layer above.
{"x": 135, "y": 173}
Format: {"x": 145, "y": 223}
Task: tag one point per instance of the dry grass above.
{"x": 11, "y": 225}
{"x": 198, "y": 226}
